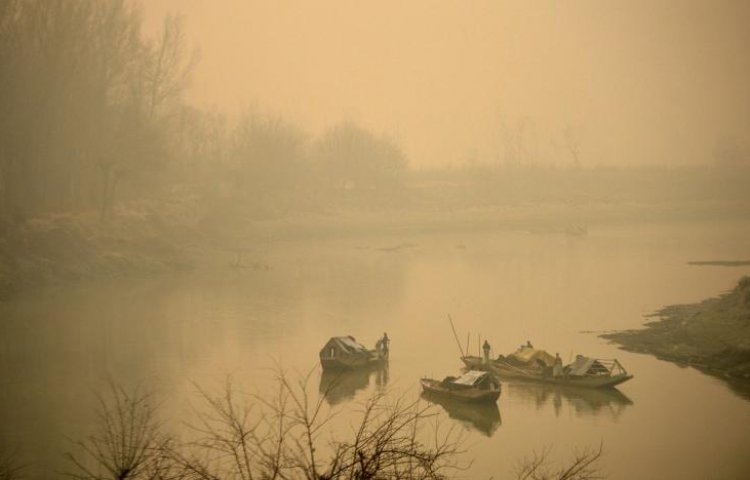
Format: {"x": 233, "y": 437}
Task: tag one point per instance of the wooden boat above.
{"x": 472, "y": 386}
{"x": 345, "y": 353}
{"x": 529, "y": 365}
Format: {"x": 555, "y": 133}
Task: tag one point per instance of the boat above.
{"x": 530, "y": 364}
{"x": 473, "y": 386}
{"x": 345, "y": 353}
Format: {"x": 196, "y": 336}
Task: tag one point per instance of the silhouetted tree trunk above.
{"x": 109, "y": 185}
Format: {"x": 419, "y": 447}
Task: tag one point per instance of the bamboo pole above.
{"x": 456, "y": 337}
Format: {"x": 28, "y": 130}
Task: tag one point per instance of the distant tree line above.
{"x": 93, "y": 111}
{"x": 85, "y": 101}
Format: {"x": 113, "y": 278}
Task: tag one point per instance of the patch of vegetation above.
{"x": 285, "y": 435}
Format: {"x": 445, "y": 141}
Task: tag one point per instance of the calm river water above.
{"x": 57, "y": 346}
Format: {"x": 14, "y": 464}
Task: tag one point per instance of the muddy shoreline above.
{"x": 712, "y": 336}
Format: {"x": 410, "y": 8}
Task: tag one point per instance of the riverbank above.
{"x": 187, "y": 230}
{"x": 66, "y": 248}
{"x": 712, "y": 336}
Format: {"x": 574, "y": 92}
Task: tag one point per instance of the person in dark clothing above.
{"x": 557, "y": 369}
{"x": 385, "y": 344}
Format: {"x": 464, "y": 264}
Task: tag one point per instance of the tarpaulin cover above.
{"x": 530, "y": 354}
{"x": 346, "y": 344}
{"x": 586, "y": 366}
{"x": 470, "y": 378}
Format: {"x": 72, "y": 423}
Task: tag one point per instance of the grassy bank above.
{"x": 62, "y": 248}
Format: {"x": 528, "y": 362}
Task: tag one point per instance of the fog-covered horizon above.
{"x": 195, "y": 192}
{"x": 628, "y": 84}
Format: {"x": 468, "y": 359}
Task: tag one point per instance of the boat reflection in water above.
{"x": 338, "y": 386}
{"x": 584, "y": 401}
{"x": 482, "y": 417}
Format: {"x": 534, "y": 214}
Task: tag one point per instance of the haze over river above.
{"x": 58, "y": 345}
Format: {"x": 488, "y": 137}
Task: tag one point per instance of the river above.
{"x": 59, "y": 345}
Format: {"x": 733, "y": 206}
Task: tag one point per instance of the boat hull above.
{"x": 470, "y": 395}
{"x": 372, "y": 359}
{"x": 507, "y": 372}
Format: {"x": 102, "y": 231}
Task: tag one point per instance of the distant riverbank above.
{"x": 186, "y": 232}
{"x": 712, "y": 336}
{"x": 720, "y": 263}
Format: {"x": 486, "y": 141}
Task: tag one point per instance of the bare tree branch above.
{"x": 128, "y": 442}
{"x": 581, "y": 467}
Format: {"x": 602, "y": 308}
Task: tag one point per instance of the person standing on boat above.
{"x": 557, "y": 368}
{"x": 486, "y": 348}
{"x": 384, "y": 343}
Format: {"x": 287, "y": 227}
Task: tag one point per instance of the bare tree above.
{"x": 80, "y": 89}
{"x": 519, "y": 141}
{"x": 386, "y": 445}
{"x": 581, "y": 467}
{"x": 282, "y": 438}
{"x": 286, "y": 435}
{"x": 573, "y": 143}
{"x": 267, "y": 154}
{"x": 128, "y": 442}
{"x": 168, "y": 68}
{"x": 9, "y": 468}
{"x": 352, "y": 157}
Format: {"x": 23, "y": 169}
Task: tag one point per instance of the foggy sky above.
{"x": 641, "y": 82}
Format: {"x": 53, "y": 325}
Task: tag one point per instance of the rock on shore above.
{"x": 712, "y": 336}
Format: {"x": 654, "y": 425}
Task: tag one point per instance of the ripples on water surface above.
{"x": 58, "y": 345}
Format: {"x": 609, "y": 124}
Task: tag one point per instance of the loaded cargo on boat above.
{"x": 531, "y": 364}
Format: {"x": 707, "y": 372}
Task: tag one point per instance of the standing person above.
{"x": 385, "y": 342}
{"x": 486, "y": 348}
{"x": 557, "y": 368}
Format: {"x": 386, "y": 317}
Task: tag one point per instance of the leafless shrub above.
{"x": 283, "y": 438}
{"x": 284, "y": 435}
{"x": 581, "y": 467}
{"x": 128, "y": 442}
{"x": 9, "y": 468}
{"x": 386, "y": 445}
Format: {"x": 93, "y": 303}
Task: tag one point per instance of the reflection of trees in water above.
{"x": 585, "y": 401}
{"x": 340, "y": 386}
{"x": 484, "y": 418}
